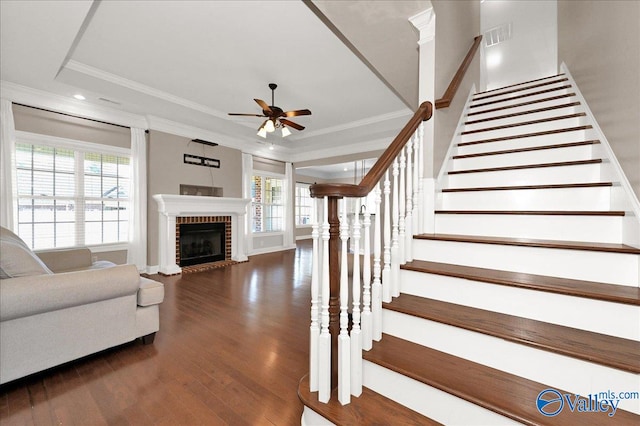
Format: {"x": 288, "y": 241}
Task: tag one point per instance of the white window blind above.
{"x": 71, "y": 193}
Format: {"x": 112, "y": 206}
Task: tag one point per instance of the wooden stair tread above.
{"x": 527, "y": 166}
{"x": 370, "y": 408}
{"x": 528, "y": 242}
{"x": 527, "y": 187}
{"x": 526, "y": 95}
{"x": 495, "y": 390}
{"x": 536, "y": 101}
{"x": 479, "y": 97}
{"x": 519, "y": 84}
{"x": 529, "y": 149}
{"x": 528, "y": 135}
{"x": 538, "y": 212}
{"x": 570, "y": 287}
{"x": 525, "y": 123}
{"x": 518, "y": 114}
{"x": 615, "y": 352}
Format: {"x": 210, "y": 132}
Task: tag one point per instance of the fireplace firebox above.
{"x": 202, "y": 243}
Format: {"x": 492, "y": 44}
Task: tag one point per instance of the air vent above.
{"x": 109, "y": 101}
{"x": 498, "y": 34}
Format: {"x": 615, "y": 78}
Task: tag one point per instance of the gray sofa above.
{"x": 58, "y": 306}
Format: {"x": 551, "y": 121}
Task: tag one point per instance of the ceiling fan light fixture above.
{"x": 262, "y": 132}
{"x": 269, "y": 126}
{"x": 285, "y": 132}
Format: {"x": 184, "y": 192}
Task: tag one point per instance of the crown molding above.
{"x": 425, "y": 23}
{"x": 358, "y": 123}
{"x": 336, "y": 151}
{"x": 47, "y": 100}
{"x": 141, "y": 88}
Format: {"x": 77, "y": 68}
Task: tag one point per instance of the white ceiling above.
{"x": 185, "y": 64}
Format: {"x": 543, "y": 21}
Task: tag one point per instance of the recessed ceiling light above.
{"x": 345, "y": 169}
{"x": 79, "y": 97}
{"x": 271, "y": 147}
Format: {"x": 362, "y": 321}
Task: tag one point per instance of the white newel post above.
{"x": 425, "y": 23}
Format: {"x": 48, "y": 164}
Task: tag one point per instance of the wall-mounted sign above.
{"x": 201, "y": 161}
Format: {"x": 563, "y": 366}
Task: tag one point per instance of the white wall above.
{"x": 531, "y": 52}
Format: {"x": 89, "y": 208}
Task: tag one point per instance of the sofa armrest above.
{"x": 66, "y": 259}
{"x": 24, "y": 296}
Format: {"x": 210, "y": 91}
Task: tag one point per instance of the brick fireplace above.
{"x": 175, "y": 210}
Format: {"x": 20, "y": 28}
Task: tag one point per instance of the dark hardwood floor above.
{"x": 232, "y": 346}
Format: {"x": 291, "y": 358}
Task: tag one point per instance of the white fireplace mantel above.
{"x": 171, "y": 206}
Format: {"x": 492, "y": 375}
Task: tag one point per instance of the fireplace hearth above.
{"x": 202, "y": 243}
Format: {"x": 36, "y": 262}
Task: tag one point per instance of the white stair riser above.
{"x": 612, "y": 268}
{"x": 520, "y": 91}
{"x": 311, "y": 418}
{"x": 522, "y": 87}
{"x": 520, "y": 118}
{"x": 480, "y": 113}
{"x": 553, "y": 370}
{"x": 520, "y": 130}
{"x": 525, "y": 142}
{"x": 596, "y": 198}
{"x": 512, "y": 99}
{"x": 615, "y": 319}
{"x": 426, "y": 400}
{"x": 584, "y": 173}
{"x": 601, "y": 229}
{"x": 574, "y": 153}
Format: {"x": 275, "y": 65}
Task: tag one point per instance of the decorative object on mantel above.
{"x": 197, "y": 160}
{"x": 274, "y": 114}
{"x": 201, "y": 191}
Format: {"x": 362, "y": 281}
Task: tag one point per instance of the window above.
{"x": 267, "y": 203}
{"x": 304, "y": 204}
{"x": 70, "y": 193}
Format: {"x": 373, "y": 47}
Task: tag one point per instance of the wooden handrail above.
{"x": 339, "y": 190}
{"x": 446, "y": 99}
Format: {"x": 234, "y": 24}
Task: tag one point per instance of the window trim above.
{"x": 284, "y": 205}
{"x": 296, "y": 206}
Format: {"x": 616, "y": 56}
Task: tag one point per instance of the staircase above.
{"x": 525, "y": 286}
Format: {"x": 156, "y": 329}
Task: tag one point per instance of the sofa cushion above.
{"x": 17, "y": 259}
{"x": 150, "y": 293}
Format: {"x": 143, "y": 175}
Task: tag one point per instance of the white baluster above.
{"x": 314, "y": 330}
{"x": 356, "y": 335}
{"x": 395, "y": 214}
{"x": 376, "y": 288}
{"x": 344, "y": 358}
{"x": 401, "y": 212}
{"x": 386, "y": 270}
{"x": 366, "y": 281}
{"x": 324, "y": 371}
{"x": 408, "y": 249}
{"x": 421, "y": 216}
{"x": 416, "y": 180}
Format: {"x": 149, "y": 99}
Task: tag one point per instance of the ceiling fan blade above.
{"x": 297, "y": 113}
{"x": 246, "y": 115}
{"x": 263, "y": 105}
{"x": 291, "y": 124}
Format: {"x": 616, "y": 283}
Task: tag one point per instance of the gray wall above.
{"x": 600, "y": 43}
{"x": 166, "y": 171}
{"x": 457, "y": 23}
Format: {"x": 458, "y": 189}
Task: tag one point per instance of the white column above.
{"x": 425, "y": 23}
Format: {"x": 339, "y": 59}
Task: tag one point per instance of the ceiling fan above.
{"x": 276, "y": 117}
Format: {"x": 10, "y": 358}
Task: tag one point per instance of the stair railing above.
{"x": 342, "y": 218}
{"x": 446, "y": 99}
